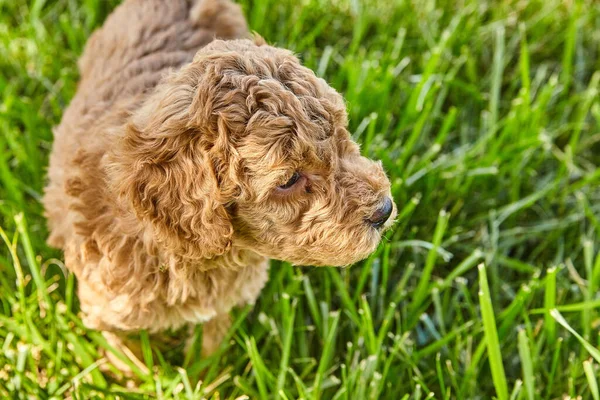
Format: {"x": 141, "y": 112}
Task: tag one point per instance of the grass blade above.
{"x": 526, "y": 364}
{"x": 591, "y": 376}
{"x": 491, "y": 336}
{"x": 549, "y": 304}
{"x": 424, "y": 285}
{"x": 594, "y": 352}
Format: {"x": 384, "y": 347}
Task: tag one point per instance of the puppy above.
{"x": 184, "y": 163}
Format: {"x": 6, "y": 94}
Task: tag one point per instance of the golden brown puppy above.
{"x": 184, "y": 163}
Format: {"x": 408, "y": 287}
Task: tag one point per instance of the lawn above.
{"x": 486, "y": 116}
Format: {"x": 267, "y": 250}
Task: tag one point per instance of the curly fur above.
{"x": 165, "y": 169}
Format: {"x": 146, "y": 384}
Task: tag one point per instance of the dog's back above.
{"x": 142, "y": 38}
{"x": 121, "y": 64}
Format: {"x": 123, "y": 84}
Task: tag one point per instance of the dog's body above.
{"x": 163, "y": 176}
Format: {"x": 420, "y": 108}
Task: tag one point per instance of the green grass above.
{"x": 486, "y": 116}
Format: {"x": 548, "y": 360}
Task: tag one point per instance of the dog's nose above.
{"x": 382, "y": 214}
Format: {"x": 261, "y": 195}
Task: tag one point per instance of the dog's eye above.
{"x": 291, "y": 182}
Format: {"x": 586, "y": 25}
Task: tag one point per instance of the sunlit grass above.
{"x": 485, "y": 115}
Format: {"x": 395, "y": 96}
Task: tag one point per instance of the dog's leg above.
{"x": 213, "y": 333}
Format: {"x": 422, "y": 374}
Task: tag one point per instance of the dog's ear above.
{"x": 164, "y": 168}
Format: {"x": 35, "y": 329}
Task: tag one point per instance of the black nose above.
{"x": 382, "y": 214}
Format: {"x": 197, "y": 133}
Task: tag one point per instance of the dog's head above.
{"x": 244, "y": 146}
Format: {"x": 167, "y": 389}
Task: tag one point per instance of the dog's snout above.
{"x": 380, "y": 217}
